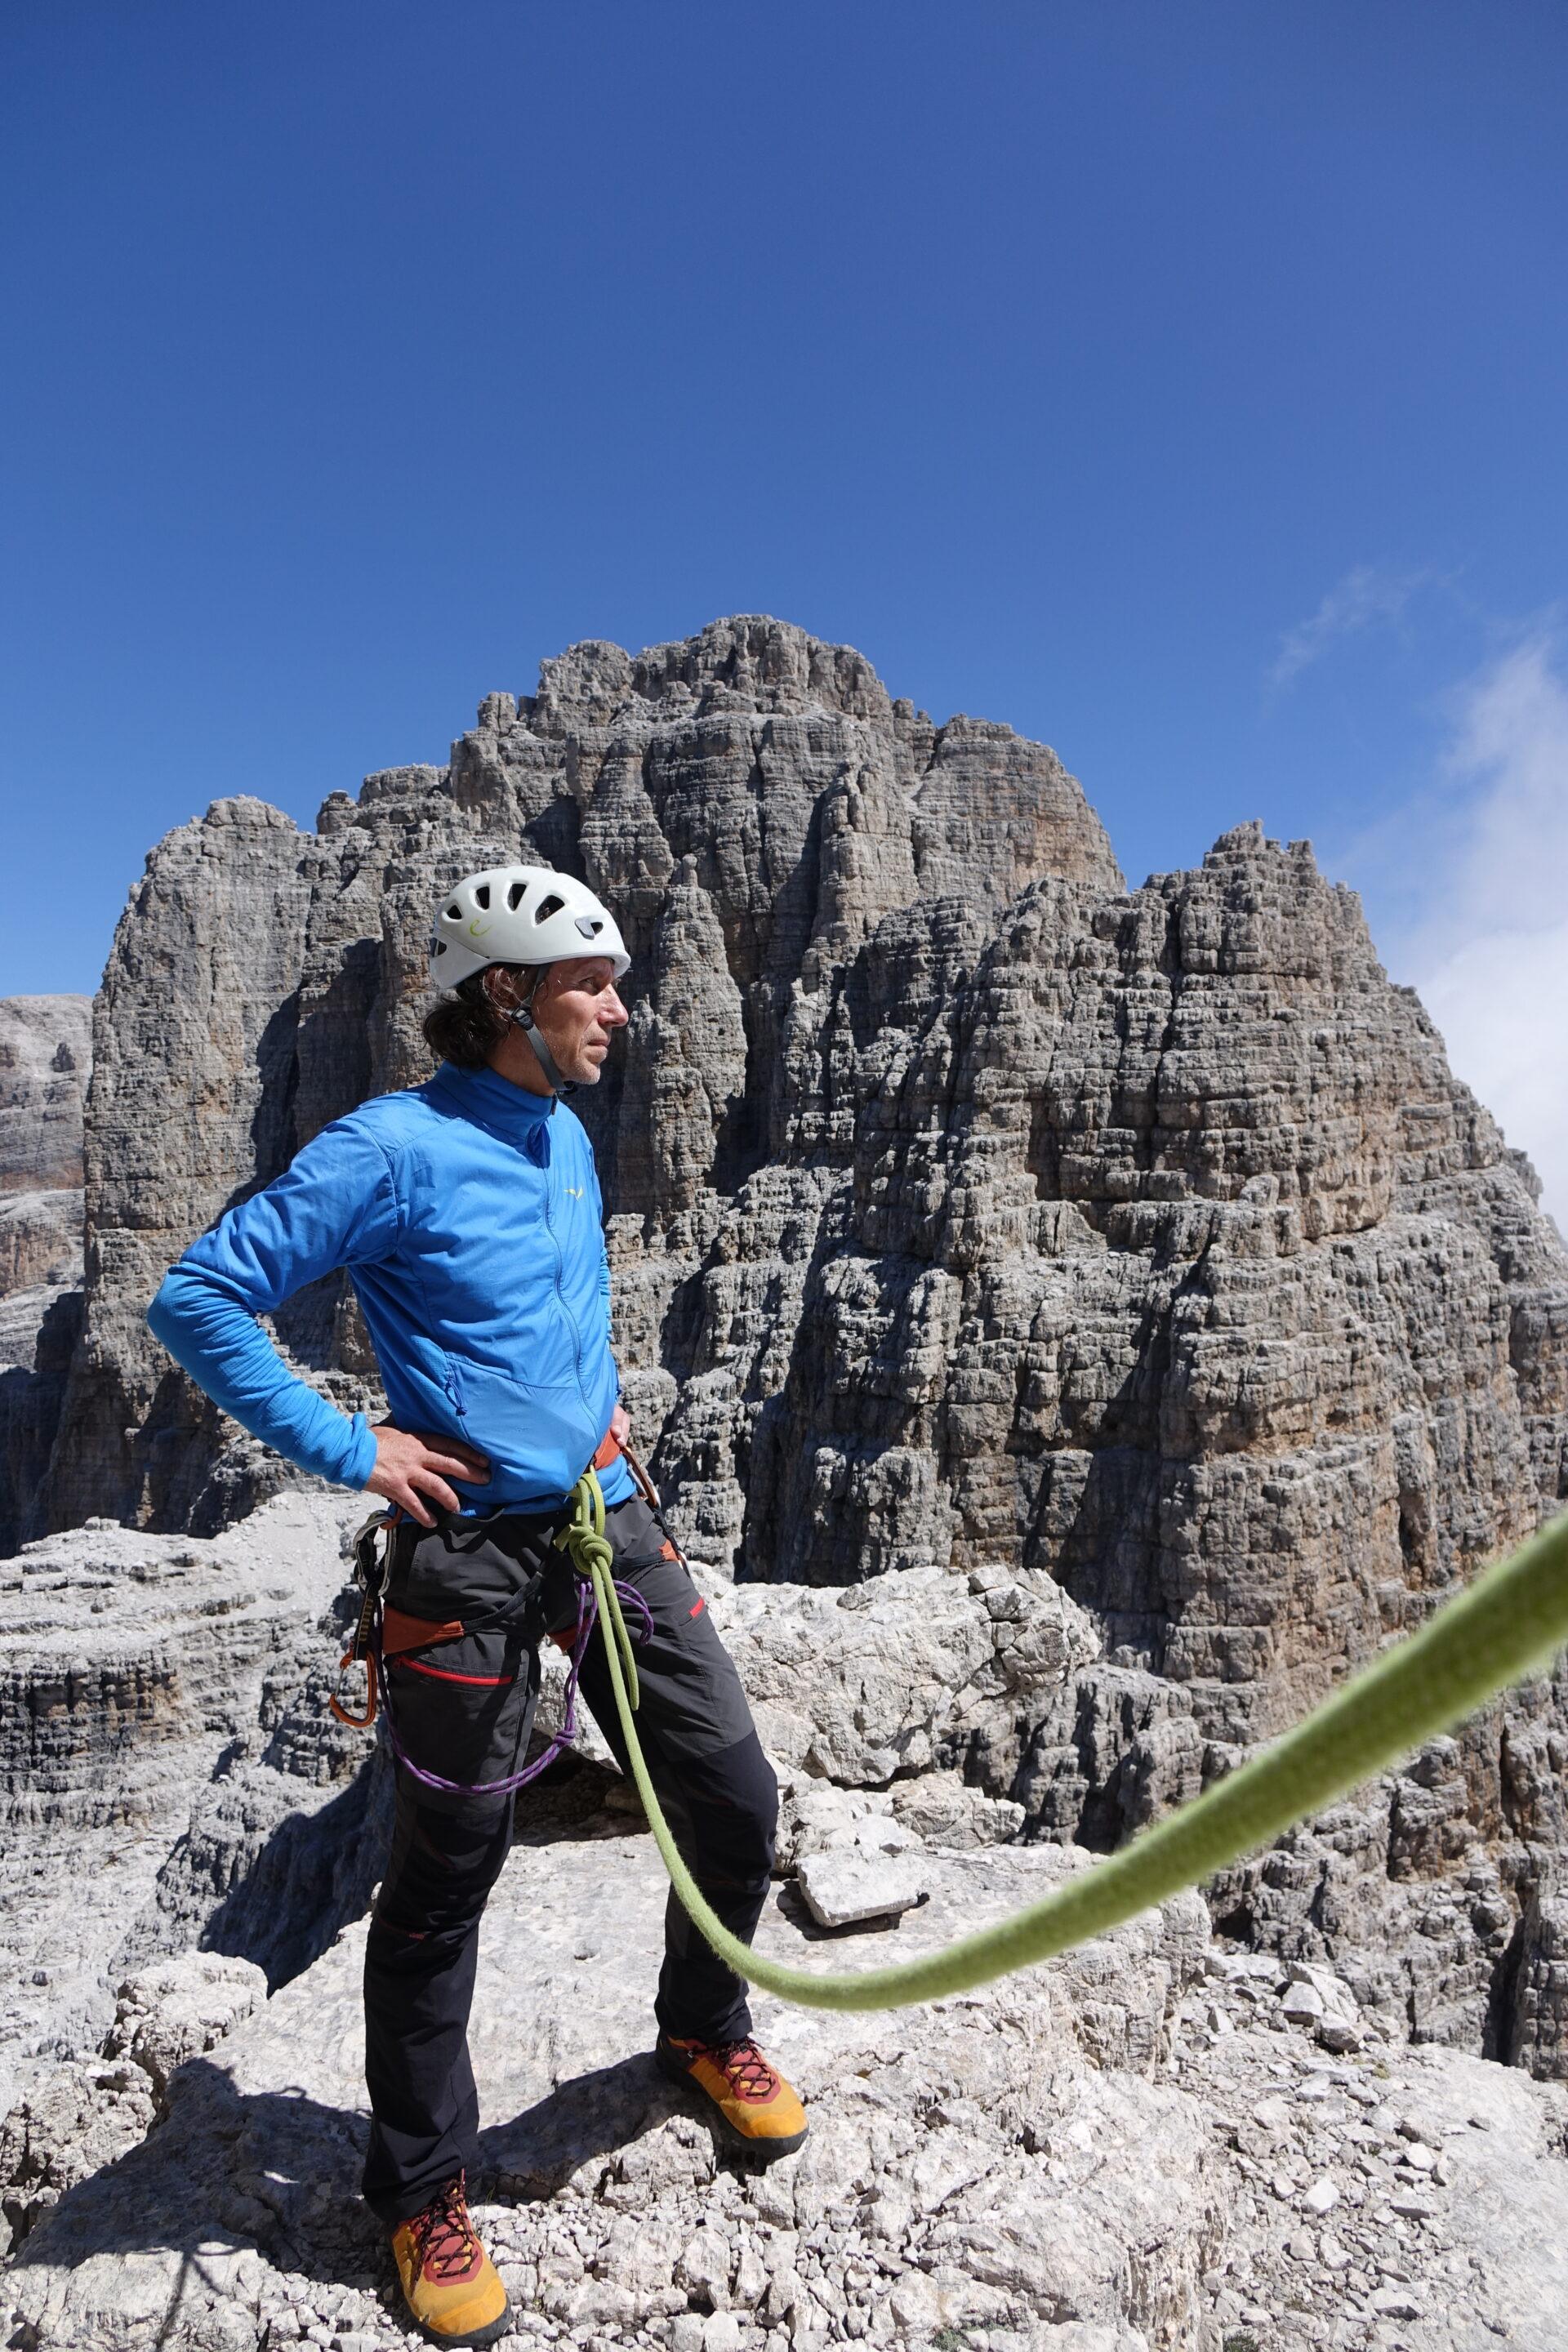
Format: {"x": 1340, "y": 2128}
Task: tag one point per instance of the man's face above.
{"x": 576, "y": 1006}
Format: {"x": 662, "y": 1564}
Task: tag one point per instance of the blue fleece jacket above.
{"x": 468, "y": 1214}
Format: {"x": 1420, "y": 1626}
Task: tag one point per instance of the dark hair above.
{"x": 465, "y": 1026}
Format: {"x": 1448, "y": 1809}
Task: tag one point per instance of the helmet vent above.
{"x": 514, "y": 897}
{"x": 548, "y": 906}
{"x": 454, "y": 914}
{"x": 482, "y": 896}
{"x": 589, "y": 926}
{"x": 438, "y": 947}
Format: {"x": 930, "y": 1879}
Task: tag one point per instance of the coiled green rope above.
{"x": 1507, "y": 1623}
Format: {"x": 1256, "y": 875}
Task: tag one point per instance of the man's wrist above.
{"x": 363, "y": 1454}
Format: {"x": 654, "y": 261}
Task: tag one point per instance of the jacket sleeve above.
{"x": 335, "y": 1205}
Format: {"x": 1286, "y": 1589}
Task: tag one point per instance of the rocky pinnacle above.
{"x": 972, "y": 1217}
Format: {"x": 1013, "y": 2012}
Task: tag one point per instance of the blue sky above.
{"x": 1184, "y": 385}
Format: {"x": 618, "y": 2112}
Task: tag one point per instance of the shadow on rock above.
{"x": 313, "y": 1873}
{"x": 273, "y": 2171}
{"x": 229, "y": 2175}
{"x": 594, "y": 2114}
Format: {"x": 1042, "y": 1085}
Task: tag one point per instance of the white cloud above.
{"x": 1369, "y": 597}
{"x": 1490, "y": 951}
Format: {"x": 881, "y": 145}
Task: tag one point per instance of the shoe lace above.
{"x": 444, "y": 2242}
{"x": 743, "y": 2064}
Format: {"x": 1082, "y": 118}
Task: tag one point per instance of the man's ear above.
{"x": 506, "y": 989}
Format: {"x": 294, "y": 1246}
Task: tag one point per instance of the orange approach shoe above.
{"x": 450, "y": 2282}
{"x": 751, "y": 2096}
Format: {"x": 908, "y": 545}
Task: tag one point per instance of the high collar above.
{"x": 494, "y": 1102}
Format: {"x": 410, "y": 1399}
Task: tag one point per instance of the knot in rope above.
{"x": 594, "y": 1557}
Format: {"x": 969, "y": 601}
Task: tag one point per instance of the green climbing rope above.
{"x": 1510, "y": 1620}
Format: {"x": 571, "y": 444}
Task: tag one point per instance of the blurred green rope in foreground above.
{"x": 1508, "y": 1622}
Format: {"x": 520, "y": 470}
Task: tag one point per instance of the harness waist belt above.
{"x": 400, "y": 1632}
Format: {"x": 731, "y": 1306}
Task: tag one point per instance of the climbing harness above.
{"x": 560, "y": 1740}
{"x": 383, "y": 1634}
{"x": 1510, "y": 1620}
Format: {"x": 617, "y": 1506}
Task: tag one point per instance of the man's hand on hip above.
{"x": 620, "y": 1425}
{"x": 409, "y": 1468}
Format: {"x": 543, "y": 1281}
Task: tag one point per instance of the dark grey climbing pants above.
{"x": 463, "y": 1710}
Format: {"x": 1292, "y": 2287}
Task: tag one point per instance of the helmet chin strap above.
{"x": 522, "y": 1017}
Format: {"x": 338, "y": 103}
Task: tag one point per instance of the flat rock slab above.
{"x": 992, "y": 2158}
{"x": 845, "y": 1887}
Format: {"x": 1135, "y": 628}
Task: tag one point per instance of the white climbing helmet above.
{"x": 520, "y": 914}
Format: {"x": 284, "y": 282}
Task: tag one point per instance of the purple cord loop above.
{"x": 588, "y": 1608}
{"x": 628, "y": 1596}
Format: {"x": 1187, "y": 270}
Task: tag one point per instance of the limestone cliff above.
{"x": 971, "y": 1215}
{"x": 753, "y": 805}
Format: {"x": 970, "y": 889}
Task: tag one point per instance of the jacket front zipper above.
{"x": 570, "y": 1319}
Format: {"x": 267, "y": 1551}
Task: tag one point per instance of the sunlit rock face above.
{"x": 971, "y": 1217}
{"x": 46, "y": 1060}
{"x": 754, "y": 806}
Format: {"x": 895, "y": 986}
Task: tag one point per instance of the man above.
{"x": 468, "y": 1216}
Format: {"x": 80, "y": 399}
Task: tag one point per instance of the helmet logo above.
{"x": 477, "y": 929}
